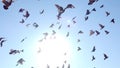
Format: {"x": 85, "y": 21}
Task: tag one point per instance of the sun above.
{"x": 53, "y": 51}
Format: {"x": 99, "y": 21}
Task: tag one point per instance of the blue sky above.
{"x": 14, "y": 32}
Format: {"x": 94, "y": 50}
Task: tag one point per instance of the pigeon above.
{"x": 53, "y": 32}
{"x": 26, "y": 15}
{"x": 93, "y": 50}
{"x": 23, "y": 39}
{"x": 21, "y": 10}
{"x": 27, "y": 25}
{"x": 74, "y": 21}
{"x": 80, "y": 32}
{"x": 105, "y": 56}
{"x": 22, "y": 21}
{"x": 97, "y": 32}
{"x": 35, "y": 25}
{"x": 60, "y": 10}
{"x": 107, "y": 32}
{"x": 1, "y": 42}
{"x": 78, "y": 40}
{"x": 91, "y": 32}
{"x": 107, "y": 13}
{"x": 63, "y": 66}
{"x": 93, "y": 9}
{"x": 20, "y": 61}
{"x": 42, "y": 11}
{"x": 113, "y": 20}
{"x": 86, "y": 18}
{"x": 78, "y": 49}
{"x": 6, "y": 3}
{"x": 87, "y": 12}
{"x": 67, "y": 34}
{"x": 101, "y": 6}
{"x": 73, "y": 18}
{"x": 69, "y": 6}
{"x": 68, "y": 66}
{"x": 68, "y": 26}
{"x": 101, "y": 26}
{"x": 93, "y": 58}
{"x": 91, "y": 2}
{"x": 1, "y": 38}
{"x": 51, "y": 26}
{"x": 12, "y": 51}
{"x": 60, "y": 26}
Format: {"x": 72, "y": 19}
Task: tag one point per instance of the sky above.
{"x": 55, "y": 49}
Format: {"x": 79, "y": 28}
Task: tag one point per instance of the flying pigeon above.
{"x": 23, "y": 39}
{"x": 53, "y": 32}
{"x": 97, "y": 32}
{"x": 86, "y": 18}
{"x": 69, "y": 6}
{"x": 35, "y": 25}
{"x": 63, "y": 66}
{"x": 105, "y": 56}
{"x": 93, "y": 50}
{"x": 1, "y": 38}
{"x": 93, "y": 58}
{"x": 26, "y": 15}
{"x": 6, "y": 3}
{"x": 93, "y": 9}
{"x": 51, "y": 26}
{"x": 78, "y": 49}
{"x": 101, "y": 26}
{"x": 60, "y": 26}
{"x": 91, "y": 2}
{"x": 78, "y": 40}
{"x": 113, "y": 20}
{"x": 80, "y": 32}
{"x": 12, "y": 51}
{"x": 68, "y": 26}
{"x": 101, "y": 6}
{"x": 91, "y": 32}
{"x": 67, "y": 34}
{"x": 107, "y": 32}
{"x": 20, "y": 61}
{"x": 87, "y": 12}
{"x": 42, "y": 11}
{"x": 21, "y": 10}
{"x": 107, "y": 13}
{"x": 73, "y": 18}
{"x": 1, "y": 42}
{"x": 68, "y": 66}
{"x": 22, "y": 21}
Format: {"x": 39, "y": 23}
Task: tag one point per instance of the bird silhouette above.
{"x": 93, "y": 58}
{"x": 23, "y": 39}
{"x": 51, "y": 26}
{"x": 21, "y": 10}
{"x": 6, "y": 3}
{"x": 112, "y": 20}
{"x": 68, "y": 66}
{"x": 78, "y": 40}
{"x": 105, "y": 56}
{"x": 93, "y": 9}
{"x": 86, "y": 18}
{"x": 1, "y": 42}
{"x": 87, "y": 12}
{"x": 80, "y": 32}
{"x": 107, "y": 13}
{"x": 42, "y": 11}
{"x": 12, "y": 51}
{"x": 102, "y": 6}
{"x": 26, "y": 15}
{"x": 35, "y": 25}
{"x": 91, "y": 2}
{"x": 97, "y": 32}
{"x": 53, "y": 32}
{"x": 78, "y": 49}
{"x": 91, "y": 32}
{"x": 1, "y": 38}
{"x": 93, "y": 50}
{"x": 101, "y": 26}
{"x": 22, "y": 21}
{"x": 20, "y": 61}
{"x": 60, "y": 26}
{"x": 67, "y": 34}
{"x": 107, "y": 32}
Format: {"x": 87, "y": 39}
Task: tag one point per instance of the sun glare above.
{"x": 53, "y": 51}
